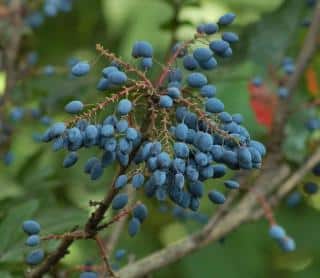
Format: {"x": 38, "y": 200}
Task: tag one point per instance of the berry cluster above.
{"x": 188, "y": 139}
{"x": 32, "y": 229}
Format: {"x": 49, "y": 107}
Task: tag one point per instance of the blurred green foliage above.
{"x": 37, "y": 186}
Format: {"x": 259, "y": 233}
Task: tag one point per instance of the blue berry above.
{"x": 174, "y": 92}
{"x": 142, "y": 49}
{"x": 91, "y": 132}
{"x": 208, "y": 91}
{"x": 134, "y": 226}
{"x": 117, "y": 77}
{"x": 159, "y": 177}
{"x": 210, "y": 28}
{"x": 293, "y": 199}
{"x": 201, "y": 159}
{"x": 310, "y": 188}
{"x": 209, "y": 65}
{"x": 120, "y": 253}
{"x": 202, "y": 54}
{"x": 197, "y": 80}
{"x": 107, "y": 130}
{"x": 226, "y": 19}
{"x": 219, "y": 46}
{"x": 237, "y": 118}
{"x": 57, "y": 129}
{"x": 190, "y": 63}
{"x": 277, "y": 232}
{"x": 31, "y": 227}
{"x": 104, "y": 84}
{"x": 108, "y": 70}
{"x": 231, "y": 184}
{"x": 96, "y": 170}
{"x": 216, "y": 197}
{"x": 80, "y": 69}
{"x": 124, "y": 106}
{"x": 137, "y": 180}
{"x": 196, "y": 189}
{"x": 70, "y": 159}
{"x": 175, "y": 75}
{"x": 121, "y": 181}
{"x": 214, "y": 105}
{"x": 122, "y": 126}
{"x": 146, "y": 63}
{"x": 33, "y": 240}
{"x": 287, "y": 244}
{"x": 74, "y": 107}
{"x": 225, "y": 117}
{"x": 120, "y": 201}
{"x": 35, "y": 257}
{"x": 89, "y": 164}
{"x": 181, "y": 132}
{"x": 165, "y": 101}
{"x": 140, "y": 211}
{"x": 179, "y": 180}
{"x": 244, "y": 158}
{"x": 230, "y": 37}
{"x": 200, "y": 28}
{"x": 131, "y": 134}
{"x": 181, "y": 150}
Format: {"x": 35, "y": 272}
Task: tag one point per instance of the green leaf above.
{"x": 270, "y": 39}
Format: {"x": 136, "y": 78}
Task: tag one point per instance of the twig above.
{"x": 104, "y": 256}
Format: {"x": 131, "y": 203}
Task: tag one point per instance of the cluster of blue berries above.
{"x": 114, "y": 136}
{"x": 205, "y": 139}
{"x": 285, "y": 242}
{"x": 50, "y": 8}
{"x": 32, "y": 229}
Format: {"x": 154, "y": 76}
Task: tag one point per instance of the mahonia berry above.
{"x": 74, "y": 107}
{"x": 142, "y": 49}
{"x": 134, "y": 226}
{"x": 310, "y": 188}
{"x": 216, "y": 197}
{"x": 31, "y": 227}
{"x": 140, "y": 212}
{"x": 35, "y": 257}
{"x": 33, "y": 240}
{"x": 124, "y": 107}
{"x": 80, "y": 69}
{"x": 120, "y": 201}
{"x": 120, "y": 254}
{"x": 226, "y": 19}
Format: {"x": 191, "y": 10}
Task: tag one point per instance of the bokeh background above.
{"x": 36, "y": 186}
